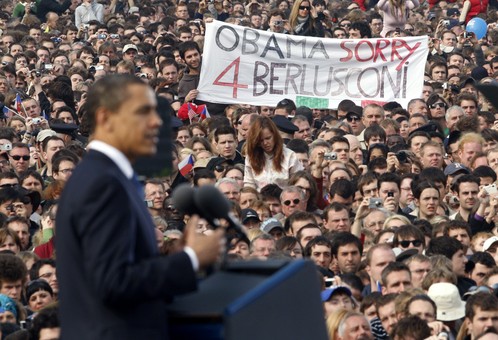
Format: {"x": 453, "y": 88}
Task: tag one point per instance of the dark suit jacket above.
{"x": 113, "y": 283}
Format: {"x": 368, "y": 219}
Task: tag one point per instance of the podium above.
{"x": 253, "y": 300}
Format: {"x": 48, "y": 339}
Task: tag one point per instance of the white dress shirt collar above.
{"x": 114, "y": 154}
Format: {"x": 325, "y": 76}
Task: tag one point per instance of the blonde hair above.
{"x": 333, "y": 321}
{"x": 470, "y": 137}
{"x": 253, "y": 233}
{"x": 401, "y": 218}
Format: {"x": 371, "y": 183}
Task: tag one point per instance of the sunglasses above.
{"x": 17, "y": 157}
{"x": 345, "y": 25}
{"x": 435, "y": 105}
{"x": 305, "y": 8}
{"x": 219, "y": 168}
{"x": 406, "y": 244}
{"x": 295, "y": 201}
{"x": 353, "y": 119}
{"x": 8, "y": 185}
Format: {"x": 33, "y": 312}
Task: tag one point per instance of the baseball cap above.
{"x": 447, "y": 298}
{"x": 452, "y": 11}
{"x": 270, "y": 224}
{"x": 129, "y": 47}
{"x": 284, "y": 125}
{"x": 44, "y": 134}
{"x": 327, "y": 293}
{"x": 453, "y": 168}
{"x": 489, "y": 242}
{"x": 247, "y": 214}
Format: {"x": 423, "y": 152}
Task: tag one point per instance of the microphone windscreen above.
{"x": 212, "y": 202}
{"x": 183, "y": 199}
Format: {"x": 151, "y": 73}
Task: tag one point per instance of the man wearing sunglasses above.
{"x": 19, "y": 157}
{"x": 354, "y": 121}
{"x": 292, "y": 199}
{"x": 409, "y": 237}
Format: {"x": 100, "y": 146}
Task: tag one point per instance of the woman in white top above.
{"x": 268, "y": 161}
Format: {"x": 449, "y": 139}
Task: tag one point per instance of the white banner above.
{"x": 242, "y": 65}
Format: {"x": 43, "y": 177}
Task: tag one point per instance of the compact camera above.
{"x": 374, "y": 203}
{"x": 330, "y": 156}
{"x": 6, "y": 147}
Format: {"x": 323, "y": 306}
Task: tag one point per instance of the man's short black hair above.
{"x": 344, "y": 238}
{"x": 365, "y": 31}
{"x": 203, "y": 173}
{"x": 224, "y": 130}
{"x": 343, "y": 188}
{"x": 464, "y": 179}
{"x": 389, "y": 177}
{"x": 12, "y": 268}
{"x": 484, "y": 171}
{"x": 187, "y": 46}
{"x": 108, "y": 92}
{"x": 8, "y": 194}
{"x": 317, "y": 241}
{"x": 443, "y": 245}
{"x": 432, "y": 174}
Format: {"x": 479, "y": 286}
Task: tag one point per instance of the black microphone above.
{"x": 213, "y": 204}
{"x": 184, "y": 200}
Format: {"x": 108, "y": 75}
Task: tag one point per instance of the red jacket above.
{"x": 45, "y": 250}
{"x": 476, "y": 7}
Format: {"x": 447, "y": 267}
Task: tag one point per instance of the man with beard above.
{"x": 191, "y": 55}
{"x": 187, "y": 88}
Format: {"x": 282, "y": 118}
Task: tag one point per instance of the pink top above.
{"x": 391, "y": 22}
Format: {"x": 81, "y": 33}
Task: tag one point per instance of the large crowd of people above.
{"x": 395, "y": 205}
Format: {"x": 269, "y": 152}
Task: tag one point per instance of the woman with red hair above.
{"x": 268, "y": 161}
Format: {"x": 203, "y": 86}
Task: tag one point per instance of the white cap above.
{"x": 489, "y": 242}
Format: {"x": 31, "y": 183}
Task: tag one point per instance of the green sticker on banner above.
{"x": 312, "y": 102}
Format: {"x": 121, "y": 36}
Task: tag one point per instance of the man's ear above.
{"x": 102, "y": 118}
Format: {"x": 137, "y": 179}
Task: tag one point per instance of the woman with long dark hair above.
{"x": 268, "y": 161}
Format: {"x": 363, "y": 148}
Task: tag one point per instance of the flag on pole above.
{"x": 191, "y": 112}
{"x": 205, "y": 113}
{"x": 186, "y": 165}
{"x": 6, "y": 112}
{"x": 18, "y": 103}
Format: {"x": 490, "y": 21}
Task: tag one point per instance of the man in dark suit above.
{"x": 113, "y": 283}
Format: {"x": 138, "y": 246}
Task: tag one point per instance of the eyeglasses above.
{"x": 305, "y": 8}
{"x": 66, "y": 171}
{"x": 295, "y": 201}
{"x": 353, "y": 119}
{"x": 345, "y": 25}
{"x": 14, "y": 207}
{"x": 17, "y": 157}
{"x": 433, "y": 106}
{"x": 406, "y": 244}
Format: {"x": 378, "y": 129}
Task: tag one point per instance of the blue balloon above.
{"x": 477, "y": 26}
